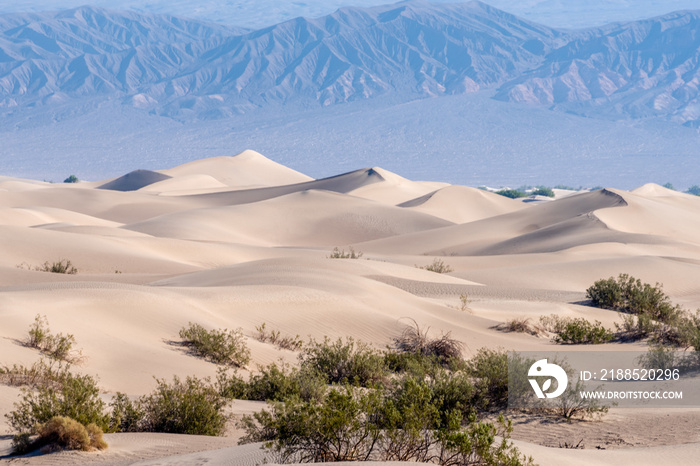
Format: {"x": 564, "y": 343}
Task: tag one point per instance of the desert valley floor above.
{"x": 232, "y": 242}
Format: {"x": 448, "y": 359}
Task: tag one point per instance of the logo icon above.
{"x": 542, "y": 368}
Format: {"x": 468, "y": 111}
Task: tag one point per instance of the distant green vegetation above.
{"x": 695, "y": 190}
{"x": 525, "y": 191}
{"x": 438, "y": 266}
{"x": 227, "y": 347}
{"x": 71, "y": 179}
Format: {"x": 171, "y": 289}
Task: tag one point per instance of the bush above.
{"x": 628, "y": 294}
{"x": 62, "y": 433}
{"x": 542, "y": 191}
{"x": 74, "y": 396}
{"x": 415, "y": 340}
{"x": 126, "y": 416}
{"x": 581, "y": 331}
{"x": 489, "y": 368}
{"x": 71, "y": 179}
{"x": 219, "y": 346}
{"x": 438, "y": 266}
{"x": 190, "y": 407}
{"x": 343, "y": 362}
{"x": 57, "y": 346}
{"x": 374, "y": 425}
{"x": 277, "y": 383}
{"x": 695, "y": 190}
{"x": 340, "y": 254}
{"x": 62, "y": 266}
{"x": 511, "y": 193}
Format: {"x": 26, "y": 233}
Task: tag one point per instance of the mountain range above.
{"x": 189, "y": 69}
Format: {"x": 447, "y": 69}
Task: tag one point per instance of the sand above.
{"x": 233, "y": 242}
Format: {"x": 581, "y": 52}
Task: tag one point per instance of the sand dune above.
{"x": 234, "y": 242}
{"x": 460, "y": 204}
{"x": 305, "y": 218}
{"x": 245, "y": 170}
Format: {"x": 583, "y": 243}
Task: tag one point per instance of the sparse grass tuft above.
{"x": 520, "y": 325}
{"x": 275, "y": 337}
{"x": 415, "y": 340}
{"x": 341, "y": 254}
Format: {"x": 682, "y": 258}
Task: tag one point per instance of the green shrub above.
{"x": 695, "y": 190}
{"x": 489, "y": 368}
{"x": 343, "y": 362}
{"x": 126, "y": 415}
{"x": 277, "y": 383}
{"x": 581, "y": 331}
{"x": 628, "y": 294}
{"x": 190, "y": 407}
{"x": 361, "y": 425}
{"x": 542, "y": 191}
{"x": 74, "y": 396}
{"x": 57, "y": 346}
{"x": 511, "y": 193}
{"x": 341, "y": 254}
{"x": 219, "y": 346}
{"x": 71, "y": 179}
{"x": 438, "y": 266}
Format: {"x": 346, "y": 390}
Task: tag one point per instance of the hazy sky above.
{"x": 260, "y": 13}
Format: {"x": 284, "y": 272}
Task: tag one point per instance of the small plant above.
{"x": 341, "y": 254}
{"x": 71, "y": 179}
{"x": 438, "y": 266}
{"x": 41, "y": 373}
{"x": 274, "y": 337}
{"x": 581, "y": 331}
{"x": 520, "y": 325}
{"x": 57, "y": 346}
{"x": 62, "y": 266}
{"x": 464, "y": 303}
{"x": 191, "y": 407}
{"x": 219, "y": 346}
{"x": 126, "y": 415}
{"x": 61, "y": 433}
{"x": 572, "y": 445}
{"x": 415, "y": 340}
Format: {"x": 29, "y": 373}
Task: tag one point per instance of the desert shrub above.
{"x": 464, "y": 302}
{"x": 58, "y": 346}
{"x": 277, "y": 383}
{"x": 581, "y": 331}
{"x": 511, "y": 193}
{"x": 438, "y": 266}
{"x": 275, "y": 337}
{"x": 571, "y": 404}
{"x": 190, "y": 407}
{"x": 695, "y": 190}
{"x": 62, "y": 266}
{"x": 225, "y": 347}
{"x": 343, "y": 361}
{"x": 75, "y": 396}
{"x": 360, "y": 425}
{"x": 62, "y": 433}
{"x": 126, "y": 415}
{"x": 542, "y": 191}
{"x": 71, "y": 179}
{"x": 628, "y": 294}
{"x": 341, "y": 254}
{"x": 415, "y": 340}
{"x": 413, "y": 364}
{"x": 520, "y": 325}
{"x": 489, "y": 368}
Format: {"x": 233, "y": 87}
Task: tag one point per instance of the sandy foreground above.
{"x": 239, "y": 241}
